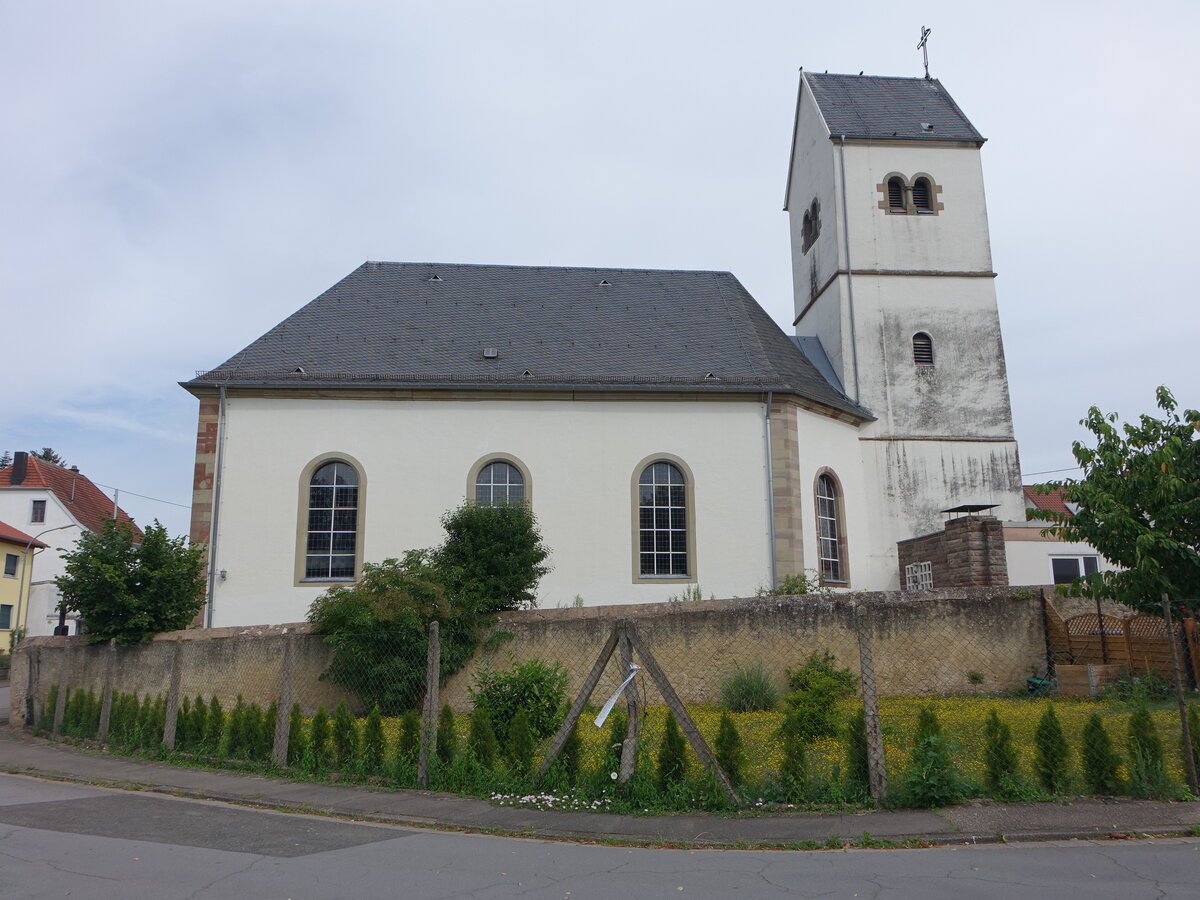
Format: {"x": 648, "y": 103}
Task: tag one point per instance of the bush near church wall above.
{"x": 919, "y": 643}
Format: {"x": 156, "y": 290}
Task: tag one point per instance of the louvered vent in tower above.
{"x": 921, "y": 194}
{"x": 895, "y": 193}
{"x": 922, "y": 349}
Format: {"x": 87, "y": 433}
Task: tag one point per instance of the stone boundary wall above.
{"x": 926, "y": 643}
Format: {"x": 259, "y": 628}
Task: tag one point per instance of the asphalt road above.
{"x": 65, "y": 840}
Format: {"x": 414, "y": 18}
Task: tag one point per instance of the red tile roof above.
{"x": 1052, "y": 501}
{"x": 14, "y": 536}
{"x": 87, "y": 503}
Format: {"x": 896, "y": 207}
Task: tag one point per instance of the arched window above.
{"x": 922, "y": 349}
{"x": 332, "y": 544}
{"x": 662, "y": 521}
{"x": 499, "y": 483}
{"x": 895, "y": 192}
{"x": 922, "y": 194}
{"x": 831, "y": 550}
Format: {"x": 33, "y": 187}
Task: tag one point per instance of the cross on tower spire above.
{"x": 923, "y": 46}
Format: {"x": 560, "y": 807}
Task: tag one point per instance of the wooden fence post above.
{"x": 106, "y": 696}
{"x": 690, "y": 731}
{"x": 171, "y": 719}
{"x": 876, "y": 763}
{"x": 1189, "y": 758}
{"x": 429, "y": 714}
{"x": 633, "y": 703}
{"x": 283, "y": 710}
{"x": 585, "y": 693}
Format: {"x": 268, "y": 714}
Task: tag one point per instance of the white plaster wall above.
{"x": 830, "y": 444}
{"x": 910, "y": 482}
{"x": 416, "y": 456}
{"x": 1029, "y": 560}
{"x": 15, "y": 506}
{"x": 955, "y": 239}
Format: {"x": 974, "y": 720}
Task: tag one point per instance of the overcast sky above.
{"x": 179, "y": 176}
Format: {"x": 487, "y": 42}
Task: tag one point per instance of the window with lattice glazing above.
{"x": 332, "y": 522}
{"x": 829, "y": 542}
{"x": 499, "y": 483}
{"x": 662, "y": 521}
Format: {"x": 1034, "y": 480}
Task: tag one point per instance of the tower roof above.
{"x": 438, "y": 325}
{"x": 883, "y": 108}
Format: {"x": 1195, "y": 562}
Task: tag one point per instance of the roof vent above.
{"x": 603, "y": 283}
{"x": 299, "y": 370}
{"x": 526, "y": 374}
{"x": 710, "y": 377}
{"x": 927, "y": 126}
{"x": 491, "y": 353}
{"x": 434, "y": 278}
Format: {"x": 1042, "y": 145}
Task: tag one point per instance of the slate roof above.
{"x": 885, "y": 108}
{"x": 87, "y": 503}
{"x": 16, "y": 536}
{"x": 428, "y": 324}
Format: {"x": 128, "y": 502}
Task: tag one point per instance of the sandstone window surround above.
{"x": 919, "y": 195}
{"x": 329, "y": 532}
{"x": 498, "y": 480}
{"x": 664, "y": 525}
{"x": 831, "y": 529}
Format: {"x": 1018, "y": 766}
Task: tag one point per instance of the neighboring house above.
{"x": 1036, "y": 558}
{"x": 16, "y": 550}
{"x": 664, "y": 429}
{"x": 56, "y": 504}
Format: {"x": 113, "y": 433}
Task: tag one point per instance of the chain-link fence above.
{"x": 778, "y": 701}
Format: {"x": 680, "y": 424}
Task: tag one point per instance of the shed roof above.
{"x": 11, "y": 535}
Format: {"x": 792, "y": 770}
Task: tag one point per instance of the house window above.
{"x": 1066, "y": 569}
{"x": 922, "y": 349}
{"x": 922, "y": 195}
{"x": 895, "y": 194}
{"x": 499, "y": 483}
{"x": 11, "y": 560}
{"x": 662, "y": 521}
{"x": 5, "y": 616}
{"x": 37, "y": 512}
{"x": 918, "y": 576}
{"x": 830, "y": 536}
{"x": 332, "y": 540}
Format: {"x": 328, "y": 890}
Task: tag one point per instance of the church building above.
{"x": 668, "y": 435}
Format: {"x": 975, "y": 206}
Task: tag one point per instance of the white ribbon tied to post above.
{"x": 634, "y": 668}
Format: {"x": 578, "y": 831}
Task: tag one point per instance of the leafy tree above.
{"x": 932, "y": 777}
{"x": 1139, "y": 505}
{"x": 47, "y": 454}
{"x": 5, "y": 460}
{"x": 493, "y": 556}
{"x": 534, "y": 686}
{"x": 131, "y": 591}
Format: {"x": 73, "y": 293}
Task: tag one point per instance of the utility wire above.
{"x": 1049, "y": 472}
{"x": 143, "y": 496}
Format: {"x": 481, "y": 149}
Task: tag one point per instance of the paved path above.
{"x": 970, "y": 823}
{"x": 68, "y": 840}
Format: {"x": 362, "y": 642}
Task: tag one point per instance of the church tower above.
{"x": 892, "y": 271}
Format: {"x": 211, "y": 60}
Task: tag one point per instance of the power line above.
{"x": 143, "y": 496}
{"x": 1049, "y": 472}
